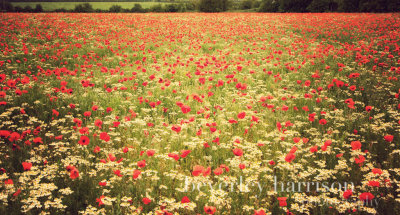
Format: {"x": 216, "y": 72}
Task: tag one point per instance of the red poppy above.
{"x": 197, "y": 170}
{"x": 218, "y": 171}
{"x": 209, "y": 209}
{"x": 74, "y": 173}
{"x": 84, "y": 141}
{"x": 37, "y": 140}
{"x": 373, "y": 183}
{"x": 237, "y": 152}
{"x": 141, "y": 163}
{"x": 185, "y": 199}
{"x": 96, "y": 149}
{"x": 26, "y": 165}
{"x": 389, "y": 138}
{"x": 176, "y": 128}
{"x": 347, "y": 194}
{"x": 355, "y": 145}
{"x": 136, "y": 173}
{"x": 104, "y": 136}
{"x": 185, "y": 109}
{"x": 150, "y": 152}
{"x": 322, "y": 121}
{"x": 259, "y": 212}
{"x": 185, "y": 153}
{"x": 99, "y": 200}
{"x": 282, "y": 201}
{"x": 98, "y": 123}
{"x": 174, "y": 156}
{"x": 359, "y": 160}
{"x": 17, "y": 193}
{"x": 366, "y": 196}
{"x": 8, "y": 182}
{"x": 146, "y": 200}
{"x": 290, "y": 157}
{"x": 241, "y": 115}
{"x": 314, "y": 149}
{"x": 377, "y": 171}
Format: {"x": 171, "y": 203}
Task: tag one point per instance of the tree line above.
{"x": 88, "y": 8}
{"x": 235, "y": 5}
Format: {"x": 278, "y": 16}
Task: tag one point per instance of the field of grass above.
{"x": 193, "y": 113}
{"x": 51, "y": 6}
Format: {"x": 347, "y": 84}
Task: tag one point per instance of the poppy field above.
{"x": 191, "y": 113}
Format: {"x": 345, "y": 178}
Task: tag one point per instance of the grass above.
{"x": 51, "y": 6}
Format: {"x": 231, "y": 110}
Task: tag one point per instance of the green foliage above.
{"x": 269, "y": 6}
{"x": 322, "y": 6}
{"x": 348, "y": 5}
{"x": 38, "y": 8}
{"x": 137, "y": 8}
{"x": 157, "y": 8}
{"x": 83, "y": 8}
{"x": 6, "y": 6}
{"x": 28, "y": 9}
{"x": 190, "y": 6}
{"x": 115, "y": 9}
{"x": 174, "y": 8}
{"x": 246, "y": 4}
{"x": 293, "y": 5}
{"x": 213, "y": 5}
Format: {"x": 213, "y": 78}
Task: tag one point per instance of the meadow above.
{"x": 192, "y": 113}
{"x": 51, "y": 6}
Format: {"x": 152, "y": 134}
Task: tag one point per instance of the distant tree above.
{"x": 246, "y": 4}
{"x": 98, "y": 10}
{"x": 157, "y": 8}
{"x": 213, "y": 5}
{"x": 6, "y": 6}
{"x": 293, "y": 5}
{"x": 115, "y": 9}
{"x": 18, "y": 9}
{"x": 61, "y": 10}
{"x": 83, "y": 8}
{"x": 379, "y": 6}
{"x": 269, "y": 6}
{"x": 38, "y": 8}
{"x": 137, "y": 8}
{"x": 348, "y": 5}
{"x": 393, "y": 5}
{"x": 28, "y": 9}
{"x": 190, "y": 6}
{"x": 256, "y": 4}
{"x": 322, "y": 6}
{"x": 171, "y": 8}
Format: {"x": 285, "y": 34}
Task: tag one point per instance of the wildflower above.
{"x": 185, "y": 199}
{"x": 84, "y": 141}
{"x": 136, "y": 173}
{"x": 146, "y": 200}
{"x": 26, "y": 165}
{"x": 141, "y": 163}
{"x": 290, "y": 157}
{"x": 237, "y": 152}
{"x": 366, "y": 196}
{"x": 389, "y": 138}
{"x": 347, "y": 194}
{"x": 241, "y": 115}
{"x": 355, "y": 145}
{"x": 282, "y": 201}
{"x": 209, "y": 209}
